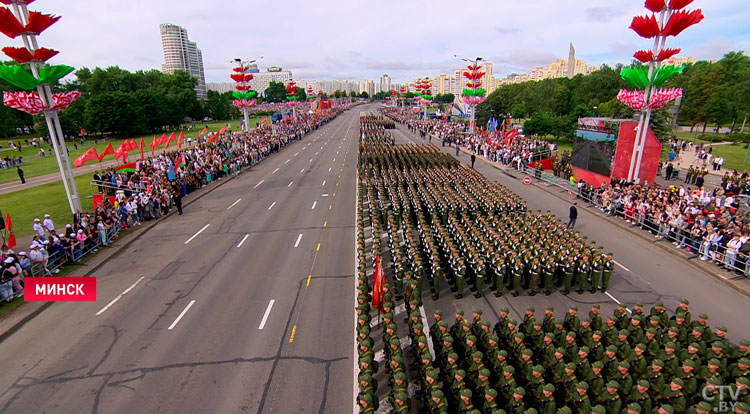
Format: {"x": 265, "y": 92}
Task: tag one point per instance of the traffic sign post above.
{"x": 527, "y": 180}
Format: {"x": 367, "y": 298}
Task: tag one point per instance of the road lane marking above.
{"x": 334, "y": 194}
{"x": 290, "y": 184}
{"x": 259, "y": 183}
{"x": 324, "y": 182}
{"x": 324, "y": 195}
{"x": 301, "y": 171}
{"x": 318, "y": 249}
{"x": 625, "y": 268}
{"x": 315, "y": 203}
{"x": 243, "y": 240}
{"x": 235, "y": 203}
{"x": 329, "y": 169}
{"x": 274, "y": 171}
{"x": 325, "y": 223}
{"x": 337, "y": 184}
{"x": 265, "y": 316}
{"x": 287, "y": 162}
{"x": 196, "y": 234}
{"x": 124, "y": 292}
{"x": 298, "y": 239}
{"x": 617, "y": 301}
{"x": 271, "y": 206}
{"x": 334, "y": 160}
{"x": 296, "y": 154}
{"x": 184, "y": 311}
{"x": 308, "y": 279}
{"x": 330, "y": 206}
{"x": 294, "y": 331}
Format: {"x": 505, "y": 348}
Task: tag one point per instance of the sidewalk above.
{"x": 739, "y": 283}
{"x": 24, "y": 313}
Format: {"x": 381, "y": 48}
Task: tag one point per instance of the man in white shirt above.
{"x": 38, "y": 228}
{"x": 48, "y": 224}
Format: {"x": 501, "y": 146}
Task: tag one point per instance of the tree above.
{"x": 276, "y": 92}
{"x": 301, "y": 94}
{"x": 364, "y": 94}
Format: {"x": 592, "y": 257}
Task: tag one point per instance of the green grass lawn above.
{"x": 34, "y": 165}
{"x": 734, "y": 156}
{"x": 34, "y": 202}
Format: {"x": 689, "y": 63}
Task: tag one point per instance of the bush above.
{"x": 738, "y": 137}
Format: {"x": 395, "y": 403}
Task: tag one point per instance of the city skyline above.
{"x": 516, "y": 41}
{"x": 180, "y": 53}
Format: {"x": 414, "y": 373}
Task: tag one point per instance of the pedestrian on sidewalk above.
{"x": 473, "y": 159}
{"x": 20, "y": 175}
{"x": 456, "y": 149}
{"x": 178, "y": 201}
{"x": 573, "y": 216}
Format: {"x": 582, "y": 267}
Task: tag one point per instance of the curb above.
{"x": 119, "y": 249}
{"x": 711, "y": 270}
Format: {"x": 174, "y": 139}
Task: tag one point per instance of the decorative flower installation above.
{"x": 671, "y": 22}
{"x": 291, "y": 90}
{"x": 473, "y": 94}
{"x": 244, "y": 96}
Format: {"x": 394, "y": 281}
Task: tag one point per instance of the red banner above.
{"x": 61, "y": 289}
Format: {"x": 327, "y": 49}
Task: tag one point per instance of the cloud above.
{"x": 602, "y": 14}
{"x": 507, "y": 30}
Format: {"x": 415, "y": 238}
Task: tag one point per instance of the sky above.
{"x": 359, "y": 39}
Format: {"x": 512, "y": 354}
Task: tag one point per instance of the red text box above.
{"x": 63, "y": 289}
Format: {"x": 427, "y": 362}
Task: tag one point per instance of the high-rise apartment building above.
{"x": 385, "y": 83}
{"x": 182, "y": 54}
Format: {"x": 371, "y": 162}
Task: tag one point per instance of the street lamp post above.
{"x": 474, "y": 95}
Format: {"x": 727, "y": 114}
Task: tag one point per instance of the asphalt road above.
{"x": 643, "y": 272}
{"x": 242, "y": 304}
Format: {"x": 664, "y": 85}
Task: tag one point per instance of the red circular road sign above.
{"x": 527, "y": 180}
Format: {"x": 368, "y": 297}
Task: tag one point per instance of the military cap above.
{"x": 527, "y": 352}
{"x": 717, "y": 344}
{"x": 466, "y": 393}
{"x": 549, "y": 387}
{"x": 570, "y": 366}
{"x": 742, "y": 406}
{"x": 621, "y": 305}
{"x": 723, "y": 328}
{"x": 698, "y": 328}
{"x": 703, "y": 316}
{"x": 671, "y": 345}
{"x": 679, "y": 315}
{"x": 689, "y": 362}
{"x": 582, "y": 385}
{"x": 634, "y": 407}
{"x": 442, "y": 324}
{"x": 438, "y": 312}
{"x": 584, "y": 349}
{"x": 538, "y": 368}
{"x": 744, "y": 381}
{"x": 550, "y": 308}
{"x": 639, "y": 304}
{"x": 658, "y": 362}
{"x": 477, "y": 311}
{"x": 471, "y": 338}
{"x": 477, "y": 354}
{"x": 714, "y": 361}
{"x": 678, "y": 381}
{"x": 460, "y": 312}
{"x": 574, "y": 307}
{"x": 714, "y": 380}
{"x": 437, "y": 393}
{"x": 453, "y": 356}
{"x": 598, "y": 409}
{"x": 399, "y": 375}
{"x": 519, "y": 391}
{"x": 504, "y": 310}
{"x": 685, "y": 301}
{"x": 519, "y": 335}
{"x": 641, "y": 346}
{"x": 624, "y": 364}
{"x": 612, "y": 348}
{"x": 745, "y": 342}
{"x": 509, "y": 368}
{"x": 564, "y": 410}
{"x": 530, "y": 411}
{"x": 598, "y": 364}
{"x": 744, "y": 361}
{"x": 597, "y": 332}
{"x": 624, "y": 332}
{"x": 613, "y": 384}
{"x": 659, "y": 304}
{"x": 704, "y": 406}
{"x": 668, "y": 408}
{"x": 503, "y": 352}
{"x": 571, "y": 334}
{"x": 484, "y": 372}
{"x": 459, "y": 372}
{"x": 366, "y": 397}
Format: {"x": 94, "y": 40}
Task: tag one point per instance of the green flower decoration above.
{"x": 22, "y": 78}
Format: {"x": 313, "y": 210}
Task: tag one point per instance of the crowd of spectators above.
{"x": 157, "y": 186}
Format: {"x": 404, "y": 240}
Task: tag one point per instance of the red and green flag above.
{"x": 126, "y": 167}
{"x": 179, "y": 162}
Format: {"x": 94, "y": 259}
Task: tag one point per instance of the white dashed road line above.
{"x": 298, "y": 240}
{"x": 265, "y": 316}
{"x": 315, "y": 203}
{"x": 259, "y": 183}
{"x": 243, "y": 240}
{"x": 235, "y": 203}
{"x": 184, "y": 311}
{"x": 196, "y": 234}
{"x": 271, "y": 206}
{"x": 124, "y": 292}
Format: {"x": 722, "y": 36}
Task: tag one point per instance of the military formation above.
{"x": 424, "y": 218}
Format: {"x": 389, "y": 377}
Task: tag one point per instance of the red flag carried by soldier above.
{"x": 377, "y": 288}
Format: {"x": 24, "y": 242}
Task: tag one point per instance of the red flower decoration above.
{"x": 667, "y": 53}
{"x": 9, "y": 25}
{"x": 237, "y": 77}
{"x": 22, "y": 55}
{"x": 242, "y": 87}
{"x": 656, "y": 5}
{"x": 17, "y": 1}
{"x": 474, "y": 68}
{"x": 239, "y": 69}
{"x": 62, "y": 100}
{"x": 633, "y": 99}
{"x": 644, "y": 56}
{"x": 679, "y": 4}
{"x": 28, "y": 102}
{"x": 681, "y": 21}
{"x": 645, "y": 26}
{"x": 38, "y": 22}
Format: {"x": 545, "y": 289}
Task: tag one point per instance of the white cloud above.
{"x": 335, "y": 38}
